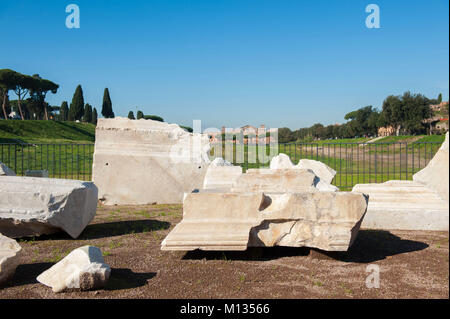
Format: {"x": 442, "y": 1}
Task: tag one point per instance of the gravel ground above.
{"x": 412, "y": 264}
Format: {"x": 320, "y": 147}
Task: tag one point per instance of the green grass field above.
{"x": 16, "y": 131}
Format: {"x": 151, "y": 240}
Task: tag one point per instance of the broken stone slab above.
{"x": 10, "y": 252}
{"x": 221, "y": 177}
{"x": 84, "y": 268}
{"x": 6, "y": 171}
{"x": 32, "y": 206}
{"x": 280, "y": 181}
{"x": 145, "y": 161}
{"x": 435, "y": 174}
{"x": 235, "y": 221}
{"x": 36, "y": 173}
{"x": 404, "y": 205}
{"x": 275, "y": 181}
{"x": 281, "y": 161}
{"x": 421, "y": 204}
{"x": 323, "y": 171}
{"x": 215, "y": 221}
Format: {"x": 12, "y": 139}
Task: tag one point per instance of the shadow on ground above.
{"x": 124, "y": 278}
{"x": 26, "y": 274}
{"x": 102, "y": 230}
{"x": 369, "y": 246}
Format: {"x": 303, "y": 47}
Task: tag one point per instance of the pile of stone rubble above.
{"x": 145, "y": 161}
{"x": 284, "y": 205}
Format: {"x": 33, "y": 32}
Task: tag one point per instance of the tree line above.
{"x": 36, "y": 108}
{"x": 406, "y": 114}
{"x": 140, "y": 115}
{"x": 22, "y": 85}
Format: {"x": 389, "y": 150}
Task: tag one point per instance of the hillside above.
{"x": 14, "y": 131}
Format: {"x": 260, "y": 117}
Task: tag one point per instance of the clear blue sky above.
{"x": 231, "y": 62}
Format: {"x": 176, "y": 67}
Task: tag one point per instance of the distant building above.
{"x": 439, "y": 107}
{"x": 386, "y": 131}
{"x": 247, "y": 134}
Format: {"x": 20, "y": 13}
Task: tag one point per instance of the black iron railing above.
{"x": 354, "y": 162}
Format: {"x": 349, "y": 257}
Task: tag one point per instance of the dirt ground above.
{"x": 412, "y": 264}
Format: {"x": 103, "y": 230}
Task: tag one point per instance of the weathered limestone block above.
{"x": 421, "y": 204}
{"x": 435, "y": 174}
{"x": 10, "y": 252}
{"x": 146, "y": 161}
{"x": 83, "y": 268}
{"x": 281, "y": 161}
{"x": 323, "y": 171}
{"x": 215, "y": 221}
{"x": 6, "y": 171}
{"x": 405, "y": 205}
{"x": 324, "y": 174}
{"x": 31, "y": 206}
{"x": 324, "y": 220}
{"x": 234, "y": 221}
{"x": 275, "y": 181}
{"x": 221, "y": 177}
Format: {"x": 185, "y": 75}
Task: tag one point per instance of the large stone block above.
{"x": 10, "y": 252}
{"x": 145, "y": 161}
{"x": 275, "y": 181}
{"x": 84, "y": 268}
{"x": 31, "y": 206}
{"x": 405, "y": 205}
{"x": 234, "y": 221}
{"x": 421, "y": 204}
{"x": 323, "y": 171}
{"x": 221, "y": 177}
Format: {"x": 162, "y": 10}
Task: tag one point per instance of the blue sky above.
{"x": 284, "y": 63}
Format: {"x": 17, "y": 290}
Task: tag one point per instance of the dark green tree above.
{"x": 107, "y": 110}
{"x": 22, "y": 84}
{"x": 76, "y": 110}
{"x": 64, "y": 111}
{"x": 154, "y": 117}
{"x": 38, "y": 90}
{"x": 139, "y": 115}
{"x": 131, "y": 115}
{"x": 7, "y": 83}
{"x": 439, "y": 99}
{"x": 94, "y": 116}
{"x": 87, "y": 117}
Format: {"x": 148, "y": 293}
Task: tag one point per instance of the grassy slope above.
{"x": 14, "y": 131}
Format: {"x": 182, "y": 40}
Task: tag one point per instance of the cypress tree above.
{"x": 87, "y": 113}
{"x": 94, "y": 116}
{"x": 76, "y": 110}
{"x": 139, "y": 115}
{"x": 131, "y": 115}
{"x": 64, "y": 111}
{"x": 439, "y": 99}
{"x": 107, "y": 110}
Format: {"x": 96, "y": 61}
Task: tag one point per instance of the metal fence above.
{"x": 73, "y": 161}
{"x": 354, "y": 162}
